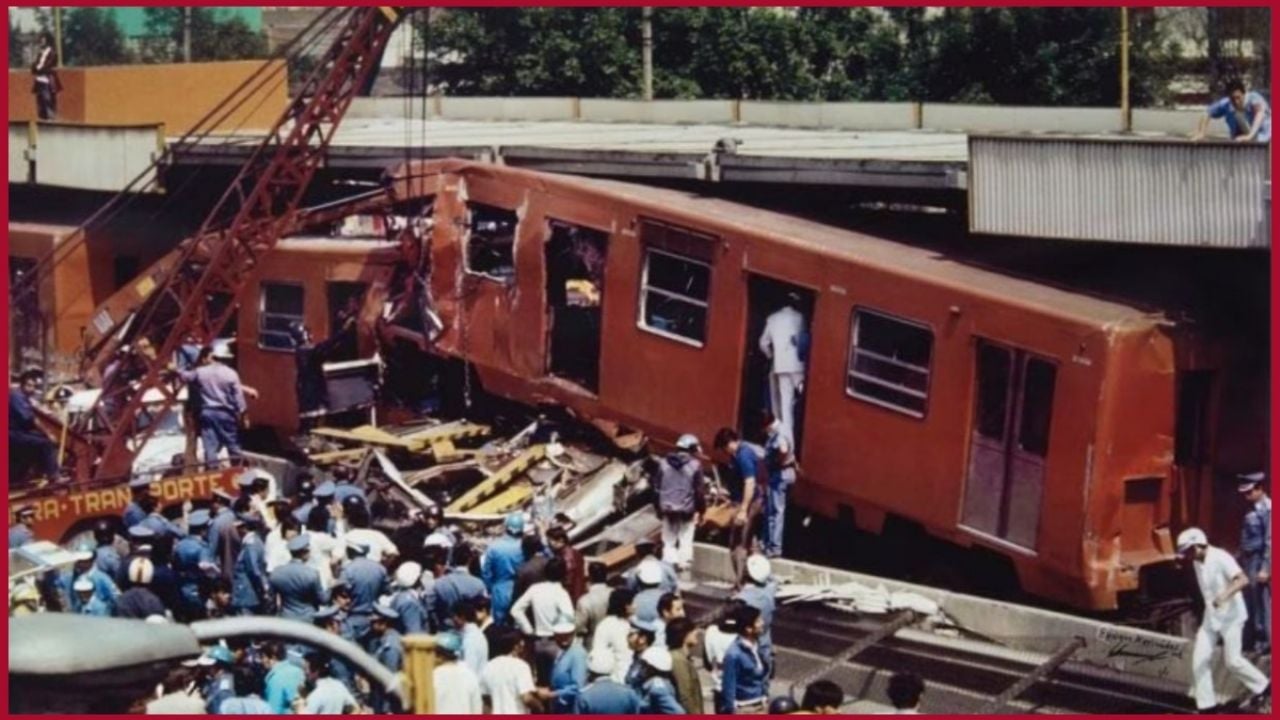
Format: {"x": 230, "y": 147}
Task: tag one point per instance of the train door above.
{"x": 788, "y": 342}
{"x": 1011, "y": 413}
{"x": 575, "y": 260}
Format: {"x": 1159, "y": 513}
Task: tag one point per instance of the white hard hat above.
{"x": 687, "y": 442}
{"x": 141, "y": 570}
{"x": 1191, "y": 537}
{"x": 600, "y": 662}
{"x": 157, "y": 619}
{"x": 658, "y": 657}
{"x": 408, "y": 573}
{"x": 222, "y": 350}
{"x": 84, "y": 584}
{"x": 649, "y": 572}
{"x": 564, "y": 626}
{"x": 758, "y": 568}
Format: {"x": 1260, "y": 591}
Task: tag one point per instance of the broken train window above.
{"x": 281, "y": 305}
{"x": 491, "y": 241}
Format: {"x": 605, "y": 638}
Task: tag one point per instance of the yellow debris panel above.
{"x": 498, "y": 480}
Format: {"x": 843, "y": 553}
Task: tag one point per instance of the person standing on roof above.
{"x": 501, "y": 563}
{"x": 1221, "y": 580}
{"x": 25, "y": 438}
{"x": 44, "y": 79}
{"x": 222, "y": 403}
{"x": 780, "y": 458}
{"x": 678, "y": 487}
{"x": 1247, "y": 115}
{"x": 1255, "y": 557}
{"x": 785, "y": 342}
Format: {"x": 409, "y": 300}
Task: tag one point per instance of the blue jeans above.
{"x": 775, "y": 514}
{"x": 1257, "y": 598}
{"x": 218, "y": 429}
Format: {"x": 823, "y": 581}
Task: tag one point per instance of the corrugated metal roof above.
{"x": 1208, "y": 194}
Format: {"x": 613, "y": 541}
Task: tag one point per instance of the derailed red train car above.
{"x": 1032, "y": 422}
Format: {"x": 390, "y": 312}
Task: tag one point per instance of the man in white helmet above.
{"x": 1221, "y": 580}
{"x": 678, "y": 488}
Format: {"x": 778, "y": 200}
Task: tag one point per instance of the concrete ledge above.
{"x": 19, "y": 144}
{"x": 96, "y": 157}
{"x": 515, "y": 108}
{"x": 852, "y": 116}
{"x": 1174, "y": 122}
{"x": 993, "y": 118}
{"x": 658, "y": 111}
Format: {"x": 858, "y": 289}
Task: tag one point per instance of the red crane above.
{"x": 194, "y": 295}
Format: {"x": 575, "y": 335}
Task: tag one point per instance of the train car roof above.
{"x": 711, "y": 214}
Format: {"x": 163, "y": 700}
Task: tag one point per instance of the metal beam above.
{"x": 1000, "y": 703}
{"x": 869, "y": 640}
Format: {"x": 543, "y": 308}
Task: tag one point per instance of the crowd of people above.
{"x": 522, "y": 622}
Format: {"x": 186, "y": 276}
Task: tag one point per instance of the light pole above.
{"x": 646, "y": 34}
{"x": 1126, "y": 112}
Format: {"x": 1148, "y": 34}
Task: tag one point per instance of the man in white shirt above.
{"x": 612, "y": 633}
{"x": 507, "y": 680}
{"x": 1221, "y": 580}
{"x": 550, "y": 602}
{"x": 456, "y": 686}
{"x": 715, "y": 643}
{"x": 782, "y": 341}
{"x": 329, "y": 696}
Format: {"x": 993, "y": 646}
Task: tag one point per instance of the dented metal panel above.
{"x": 1208, "y": 194}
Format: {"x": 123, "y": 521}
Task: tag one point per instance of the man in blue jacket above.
{"x": 25, "y": 438}
{"x": 744, "y": 686}
{"x": 501, "y": 563}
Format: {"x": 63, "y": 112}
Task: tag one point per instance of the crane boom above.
{"x": 223, "y": 255}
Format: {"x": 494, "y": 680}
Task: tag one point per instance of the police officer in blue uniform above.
{"x": 297, "y": 584}
{"x": 1255, "y": 560}
{"x": 385, "y": 646}
{"x": 105, "y": 590}
{"x": 331, "y": 619}
{"x": 192, "y": 560}
{"x": 649, "y": 578}
{"x": 105, "y": 556}
{"x": 22, "y": 533}
{"x": 457, "y": 586}
{"x": 502, "y": 562}
{"x": 305, "y": 498}
{"x": 134, "y": 513}
{"x": 367, "y": 581}
{"x": 224, "y": 540}
{"x": 407, "y": 600}
{"x": 656, "y": 688}
{"x": 603, "y": 695}
{"x": 760, "y": 592}
{"x": 250, "y": 589}
{"x": 345, "y": 488}
{"x": 141, "y": 539}
{"x": 221, "y": 685}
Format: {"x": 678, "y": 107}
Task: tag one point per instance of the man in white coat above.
{"x": 1221, "y": 580}
{"x": 783, "y": 336}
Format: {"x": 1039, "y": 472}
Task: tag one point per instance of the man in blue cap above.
{"x": 385, "y": 646}
{"x": 502, "y": 562}
{"x": 22, "y": 532}
{"x": 1255, "y": 560}
{"x": 368, "y": 581}
{"x": 221, "y": 684}
{"x": 224, "y": 540}
{"x": 331, "y": 619}
{"x": 457, "y": 586}
{"x": 139, "y": 488}
{"x": 158, "y": 522}
{"x": 104, "y": 587}
{"x": 457, "y": 686}
{"x": 297, "y": 584}
{"x": 192, "y": 560}
{"x": 106, "y": 556}
{"x": 250, "y": 589}
{"x": 344, "y": 486}
{"x": 304, "y": 497}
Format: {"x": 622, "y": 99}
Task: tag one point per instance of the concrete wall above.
{"x": 658, "y": 111}
{"x": 992, "y": 118}
{"x": 176, "y": 95}
{"x": 94, "y": 157}
{"x": 1174, "y": 122}
{"x": 859, "y": 116}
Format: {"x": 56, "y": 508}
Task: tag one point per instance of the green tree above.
{"x": 17, "y": 46}
{"x": 90, "y": 36}
{"x": 212, "y": 38}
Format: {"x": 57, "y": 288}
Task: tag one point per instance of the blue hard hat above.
{"x": 198, "y": 519}
{"x": 141, "y": 532}
{"x": 325, "y": 613}
{"x": 299, "y": 543}
{"x": 221, "y": 654}
{"x": 515, "y": 523}
{"x": 449, "y": 642}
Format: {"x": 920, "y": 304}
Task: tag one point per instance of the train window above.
{"x": 995, "y": 367}
{"x": 889, "y": 362}
{"x": 673, "y": 298}
{"x": 281, "y": 305}
{"x": 1037, "y": 406}
{"x": 491, "y": 242}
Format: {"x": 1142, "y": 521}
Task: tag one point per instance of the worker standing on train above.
{"x": 1255, "y": 557}
{"x": 785, "y": 342}
{"x": 780, "y": 458}
{"x": 222, "y": 403}
{"x": 1221, "y": 580}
